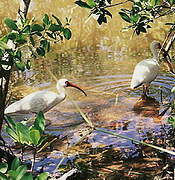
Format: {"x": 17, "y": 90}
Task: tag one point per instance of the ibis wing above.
{"x": 35, "y": 102}
{"x": 144, "y": 72}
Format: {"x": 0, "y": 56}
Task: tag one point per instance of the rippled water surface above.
{"x": 110, "y": 104}
{"x": 101, "y": 61}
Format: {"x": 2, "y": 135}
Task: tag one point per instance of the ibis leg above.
{"x": 145, "y": 92}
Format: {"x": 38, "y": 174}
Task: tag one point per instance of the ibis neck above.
{"x": 155, "y": 53}
{"x": 61, "y": 91}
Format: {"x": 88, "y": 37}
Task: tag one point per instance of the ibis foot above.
{"x": 147, "y": 98}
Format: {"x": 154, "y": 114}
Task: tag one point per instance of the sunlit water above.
{"x": 113, "y": 105}
{"x": 110, "y": 104}
{"x": 102, "y": 66}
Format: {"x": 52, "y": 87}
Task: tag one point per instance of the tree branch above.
{"x": 112, "y": 5}
{"x": 23, "y": 9}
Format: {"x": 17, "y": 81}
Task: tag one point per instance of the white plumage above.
{"x": 40, "y": 100}
{"x": 147, "y": 70}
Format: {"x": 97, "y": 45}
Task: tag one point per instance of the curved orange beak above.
{"x": 69, "y": 84}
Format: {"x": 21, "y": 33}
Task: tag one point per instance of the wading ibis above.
{"x": 147, "y": 70}
{"x": 41, "y": 100}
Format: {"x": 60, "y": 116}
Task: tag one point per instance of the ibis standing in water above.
{"x": 41, "y": 100}
{"x": 147, "y": 70}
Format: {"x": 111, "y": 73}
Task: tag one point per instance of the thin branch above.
{"x": 112, "y": 5}
{"x": 166, "y": 13}
{"x": 34, "y": 158}
{"x": 135, "y": 140}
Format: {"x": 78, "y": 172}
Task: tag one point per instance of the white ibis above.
{"x": 41, "y": 100}
{"x": 147, "y": 70}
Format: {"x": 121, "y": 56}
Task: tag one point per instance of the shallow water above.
{"x": 110, "y": 104}
{"x": 101, "y": 61}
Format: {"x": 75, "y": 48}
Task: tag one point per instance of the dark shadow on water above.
{"x": 147, "y": 107}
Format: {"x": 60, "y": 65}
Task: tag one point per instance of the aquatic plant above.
{"x": 18, "y": 171}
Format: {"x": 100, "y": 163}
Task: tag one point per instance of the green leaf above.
{"x": 12, "y": 134}
{"x": 27, "y": 176}
{"x": 102, "y": 19}
{"x": 157, "y": 2}
{"x": 1, "y": 53}
{"x": 83, "y": 4}
{"x": 125, "y": 17}
{"x": 39, "y": 123}
{"x": 46, "y": 19}
{"x": 11, "y": 24}
{"x": 18, "y": 54}
{"x": 55, "y": 27}
{"x": 4, "y": 39}
{"x": 15, "y": 163}
{"x": 37, "y": 27}
{"x": 32, "y": 41}
{"x": 45, "y": 44}
{"x": 58, "y": 21}
{"x": 137, "y": 31}
{"x": 3, "y": 176}
{"x": 38, "y": 33}
{"x": 12, "y": 36}
{"x": 23, "y": 133}
{"x": 35, "y": 136}
{"x": 28, "y": 64}
{"x": 154, "y": 2}
{"x": 144, "y": 18}
{"x": 26, "y": 29}
{"x": 3, "y": 45}
{"x": 135, "y": 18}
{"x": 67, "y": 33}
{"x": 20, "y": 65}
{"x": 50, "y": 35}
{"x": 3, "y": 167}
{"x": 108, "y": 13}
{"x": 40, "y": 51}
{"x": 91, "y": 3}
{"x": 43, "y": 176}
{"x": 21, "y": 170}
{"x": 142, "y": 29}
{"x": 48, "y": 46}
{"x": 41, "y": 141}
{"x": 13, "y": 174}
{"x": 171, "y": 120}
{"x": 11, "y": 122}
{"x": 21, "y": 39}
{"x": 172, "y": 2}
{"x": 137, "y": 3}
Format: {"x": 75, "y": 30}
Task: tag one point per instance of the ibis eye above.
{"x": 67, "y": 83}
{"x": 159, "y": 46}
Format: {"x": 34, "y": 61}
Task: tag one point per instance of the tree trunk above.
{"x": 5, "y": 74}
{"x": 23, "y": 9}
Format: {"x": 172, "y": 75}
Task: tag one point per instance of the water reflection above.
{"x": 101, "y": 60}
{"x": 110, "y": 104}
